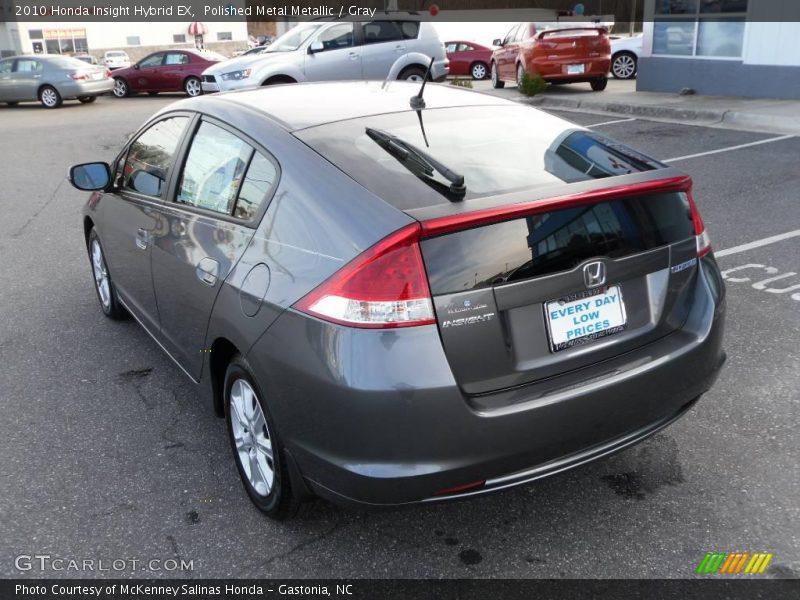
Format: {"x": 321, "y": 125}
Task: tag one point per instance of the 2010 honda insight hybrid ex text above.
{"x": 397, "y": 299}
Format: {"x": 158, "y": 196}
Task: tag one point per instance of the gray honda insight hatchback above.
{"x": 395, "y": 299}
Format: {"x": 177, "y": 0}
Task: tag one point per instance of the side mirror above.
{"x": 90, "y": 177}
{"x": 136, "y": 66}
{"x": 315, "y": 47}
{"x": 497, "y": 42}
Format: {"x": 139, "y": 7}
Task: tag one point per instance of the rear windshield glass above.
{"x": 497, "y": 149}
{"x": 554, "y": 241}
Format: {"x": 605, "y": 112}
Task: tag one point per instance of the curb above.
{"x": 733, "y": 119}
{"x": 631, "y": 110}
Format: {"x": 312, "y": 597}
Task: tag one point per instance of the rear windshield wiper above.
{"x": 421, "y": 164}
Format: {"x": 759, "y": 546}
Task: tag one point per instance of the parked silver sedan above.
{"x": 51, "y": 79}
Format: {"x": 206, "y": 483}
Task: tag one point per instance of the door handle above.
{"x": 353, "y": 55}
{"x": 142, "y": 239}
{"x": 207, "y": 271}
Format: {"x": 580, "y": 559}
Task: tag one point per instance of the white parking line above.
{"x": 758, "y": 243}
{"x": 728, "y": 149}
{"x": 609, "y": 123}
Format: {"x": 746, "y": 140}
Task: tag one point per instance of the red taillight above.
{"x": 108, "y": 73}
{"x": 457, "y": 489}
{"x": 78, "y": 76}
{"x": 385, "y": 286}
{"x": 700, "y": 233}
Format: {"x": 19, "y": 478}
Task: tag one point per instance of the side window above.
{"x": 523, "y": 32}
{"x": 153, "y": 60}
{"x": 377, "y": 32}
{"x": 177, "y": 58}
{"x": 151, "y": 156}
{"x": 452, "y": 47}
{"x": 465, "y": 48}
{"x": 5, "y": 66}
{"x": 337, "y": 36}
{"x": 410, "y": 29}
{"x": 261, "y": 176}
{"x": 214, "y": 169}
{"x": 27, "y": 65}
{"x": 510, "y": 35}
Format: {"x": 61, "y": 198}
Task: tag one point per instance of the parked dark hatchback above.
{"x": 389, "y": 314}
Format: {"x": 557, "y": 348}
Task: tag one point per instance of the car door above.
{"x": 147, "y": 72}
{"x": 6, "y": 66}
{"x": 130, "y": 215}
{"x": 382, "y": 44}
{"x": 169, "y": 77}
{"x": 338, "y": 59}
{"x": 506, "y": 66}
{"x": 208, "y": 226}
{"x": 26, "y": 78}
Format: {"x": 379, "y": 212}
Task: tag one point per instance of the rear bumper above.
{"x": 557, "y": 71}
{"x": 374, "y": 418}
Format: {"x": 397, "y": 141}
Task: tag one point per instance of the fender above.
{"x": 409, "y": 58}
{"x": 274, "y": 68}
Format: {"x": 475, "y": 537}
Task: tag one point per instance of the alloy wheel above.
{"x": 252, "y": 437}
{"x": 120, "y": 88}
{"x": 49, "y": 97}
{"x": 193, "y": 87}
{"x": 101, "y": 275}
{"x": 479, "y": 71}
{"x": 624, "y": 66}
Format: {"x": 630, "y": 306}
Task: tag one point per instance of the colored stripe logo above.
{"x": 734, "y": 563}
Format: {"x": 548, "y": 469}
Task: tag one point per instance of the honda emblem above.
{"x": 594, "y": 274}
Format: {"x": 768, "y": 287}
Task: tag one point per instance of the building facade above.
{"x": 722, "y": 47}
{"x": 137, "y": 39}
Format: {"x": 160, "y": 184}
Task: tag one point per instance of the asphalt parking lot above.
{"x": 107, "y": 453}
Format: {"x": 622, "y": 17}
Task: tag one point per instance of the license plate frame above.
{"x": 576, "y": 69}
{"x": 581, "y": 297}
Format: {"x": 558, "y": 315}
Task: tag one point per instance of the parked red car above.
{"x": 561, "y": 54}
{"x": 166, "y": 71}
{"x": 469, "y": 58}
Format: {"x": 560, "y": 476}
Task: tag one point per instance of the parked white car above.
{"x": 400, "y": 48}
{"x": 116, "y": 59}
{"x": 625, "y": 53}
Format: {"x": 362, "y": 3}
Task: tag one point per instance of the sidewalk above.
{"x": 621, "y": 99}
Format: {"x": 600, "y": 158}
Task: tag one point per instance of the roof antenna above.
{"x": 418, "y": 102}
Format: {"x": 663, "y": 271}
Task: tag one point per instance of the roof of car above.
{"x": 299, "y": 106}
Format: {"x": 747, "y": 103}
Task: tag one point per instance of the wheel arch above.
{"x": 222, "y": 351}
{"x": 88, "y": 225}
{"x": 277, "y": 79}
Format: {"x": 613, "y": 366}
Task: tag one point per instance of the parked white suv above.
{"x": 400, "y": 48}
{"x": 116, "y": 59}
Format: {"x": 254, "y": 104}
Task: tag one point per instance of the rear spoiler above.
{"x": 600, "y": 30}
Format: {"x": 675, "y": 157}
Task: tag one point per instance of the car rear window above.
{"x": 555, "y": 241}
{"x": 498, "y": 149}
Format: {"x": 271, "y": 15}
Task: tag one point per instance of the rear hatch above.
{"x": 551, "y": 292}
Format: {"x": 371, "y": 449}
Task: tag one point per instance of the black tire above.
{"x": 478, "y": 68}
{"x": 497, "y": 83}
{"x": 280, "y": 502}
{"x": 520, "y": 73}
{"x": 412, "y": 74}
{"x": 113, "y": 309}
{"x": 621, "y": 64}
{"x": 86, "y": 99}
{"x": 599, "y": 84}
{"x": 49, "y": 97}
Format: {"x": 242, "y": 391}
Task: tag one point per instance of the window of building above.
{"x": 703, "y": 28}
{"x": 224, "y": 36}
{"x": 133, "y": 40}
{"x": 61, "y": 41}
{"x": 179, "y": 38}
